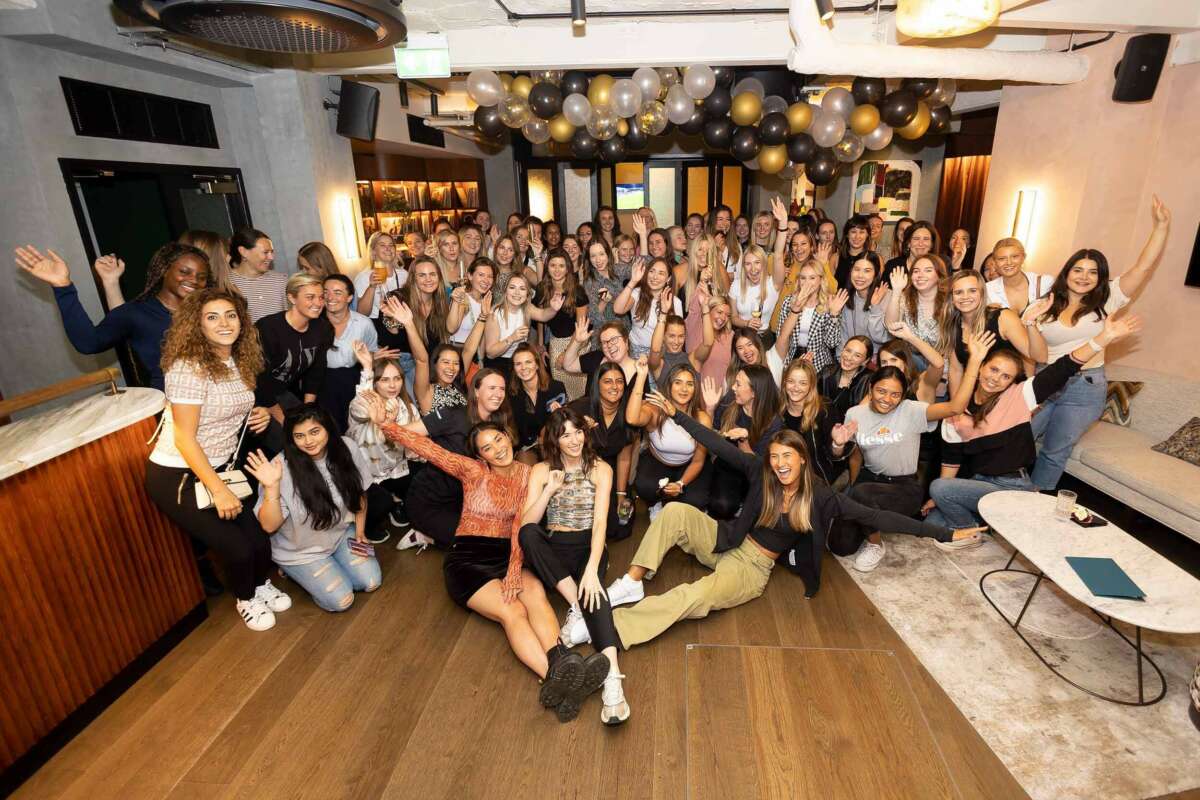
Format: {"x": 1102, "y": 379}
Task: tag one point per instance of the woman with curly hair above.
{"x": 211, "y": 359}
{"x": 175, "y": 271}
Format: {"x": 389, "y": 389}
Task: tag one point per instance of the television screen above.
{"x": 630, "y": 196}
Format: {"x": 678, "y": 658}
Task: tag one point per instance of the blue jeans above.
{"x": 408, "y": 366}
{"x": 958, "y": 498}
{"x": 333, "y": 580}
{"x": 1062, "y": 419}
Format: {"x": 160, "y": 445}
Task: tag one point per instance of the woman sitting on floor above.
{"x": 484, "y": 568}
{"x": 786, "y": 512}
{"x": 312, "y": 500}
{"x": 571, "y": 490}
{"x": 612, "y": 440}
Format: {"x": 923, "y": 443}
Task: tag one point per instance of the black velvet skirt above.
{"x": 472, "y": 562}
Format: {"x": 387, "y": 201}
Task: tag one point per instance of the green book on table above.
{"x": 1104, "y": 578}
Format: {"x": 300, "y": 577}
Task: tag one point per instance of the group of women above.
{"x": 766, "y": 389}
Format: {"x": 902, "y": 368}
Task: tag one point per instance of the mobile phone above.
{"x": 559, "y": 398}
{"x": 364, "y": 549}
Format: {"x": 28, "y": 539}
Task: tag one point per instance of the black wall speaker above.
{"x": 1193, "y": 273}
{"x": 1138, "y": 70}
{"x": 358, "y": 111}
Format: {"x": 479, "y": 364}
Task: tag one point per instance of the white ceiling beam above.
{"x": 1126, "y": 16}
{"x": 1187, "y": 49}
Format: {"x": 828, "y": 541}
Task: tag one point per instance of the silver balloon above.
{"x": 626, "y": 97}
{"x": 944, "y": 94}
{"x": 749, "y": 85}
{"x": 699, "y": 80}
{"x": 839, "y": 101}
{"x": 752, "y": 164}
{"x": 679, "y": 105}
{"x": 485, "y": 87}
{"x": 774, "y": 104}
{"x": 879, "y": 138}
{"x": 603, "y": 123}
{"x": 669, "y": 76}
{"x": 653, "y": 117}
{"x": 827, "y": 128}
{"x": 789, "y": 172}
{"x": 537, "y": 130}
{"x": 577, "y": 109}
{"x": 514, "y": 110}
{"x": 648, "y": 81}
{"x": 850, "y": 148}
{"x": 548, "y": 75}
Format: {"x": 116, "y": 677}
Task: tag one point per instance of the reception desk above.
{"x": 96, "y": 583}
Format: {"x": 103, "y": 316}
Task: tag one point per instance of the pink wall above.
{"x": 1095, "y": 165}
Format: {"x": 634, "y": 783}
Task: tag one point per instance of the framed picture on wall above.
{"x": 887, "y": 188}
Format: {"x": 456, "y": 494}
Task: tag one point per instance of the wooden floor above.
{"x": 408, "y": 696}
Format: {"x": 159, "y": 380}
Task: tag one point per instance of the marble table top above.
{"x": 34, "y": 440}
{"x": 1026, "y": 520}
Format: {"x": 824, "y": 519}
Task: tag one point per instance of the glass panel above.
{"x": 577, "y": 197}
{"x": 662, "y": 194}
{"x": 206, "y": 212}
{"x": 541, "y": 193}
{"x": 731, "y": 188}
{"x": 606, "y": 186}
{"x": 697, "y": 191}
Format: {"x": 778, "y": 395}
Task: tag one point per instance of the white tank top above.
{"x": 508, "y": 324}
{"x": 468, "y": 321}
{"x": 671, "y": 444}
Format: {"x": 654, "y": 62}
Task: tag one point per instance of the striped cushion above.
{"x": 1118, "y": 408}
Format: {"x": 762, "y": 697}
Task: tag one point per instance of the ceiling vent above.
{"x": 278, "y": 26}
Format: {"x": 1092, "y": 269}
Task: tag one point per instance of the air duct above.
{"x": 818, "y": 53}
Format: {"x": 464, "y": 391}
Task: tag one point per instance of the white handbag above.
{"x": 234, "y": 479}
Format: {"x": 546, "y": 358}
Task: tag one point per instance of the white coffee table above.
{"x": 1172, "y": 604}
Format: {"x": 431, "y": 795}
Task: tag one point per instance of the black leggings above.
{"x": 650, "y": 471}
{"x": 727, "y": 490}
{"x": 381, "y": 500}
{"x": 902, "y": 495}
{"x": 240, "y": 542}
{"x": 555, "y": 556}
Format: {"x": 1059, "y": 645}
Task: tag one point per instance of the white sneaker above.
{"x": 625, "y": 590}
{"x": 868, "y": 556}
{"x": 255, "y": 614}
{"x": 414, "y": 538}
{"x": 574, "y": 630}
{"x": 966, "y": 543}
{"x": 614, "y": 710}
{"x": 274, "y": 599}
{"x": 654, "y": 511}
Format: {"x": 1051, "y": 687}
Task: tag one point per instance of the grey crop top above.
{"x": 571, "y": 506}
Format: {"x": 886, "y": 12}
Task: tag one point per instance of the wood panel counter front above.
{"x": 93, "y": 577}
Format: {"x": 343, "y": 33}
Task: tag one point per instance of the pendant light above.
{"x": 939, "y": 19}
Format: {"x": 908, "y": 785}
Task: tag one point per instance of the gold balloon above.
{"x": 920, "y": 123}
{"x": 506, "y": 81}
{"x": 600, "y": 90}
{"x": 799, "y": 117}
{"x": 746, "y": 109}
{"x": 772, "y": 159}
{"x": 622, "y": 128}
{"x": 560, "y": 129}
{"x": 864, "y": 119}
{"x": 521, "y": 86}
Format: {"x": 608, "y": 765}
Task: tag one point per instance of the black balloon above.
{"x": 545, "y": 99}
{"x": 583, "y": 144}
{"x": 939, "y": 119}
{"x": 724, "y": 76}
{"x": 801, "y": 148}
{"x": 898, "y": 108}
{"x": 822, "y": 168}
{"x": 923, "y": 88}
{"x": 745, "y": 143}
{"x": 488, "y": 122}
{"x": 573, "y": 82}
{"x": 773, "y": 128}
{"x": 868, "y": 90}
{"x": 613, "y": 149}
{"x": 636, "y": 139}
{"x": 667, "y": 131}
{"x": 695, "y": 123}
{"x": 718, "y": 133}
{"x": 718, "y": 103}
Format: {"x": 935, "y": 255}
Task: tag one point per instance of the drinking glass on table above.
{"x": 1065, "y": 504}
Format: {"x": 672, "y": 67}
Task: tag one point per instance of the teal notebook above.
{"x": 1104, "y": 578}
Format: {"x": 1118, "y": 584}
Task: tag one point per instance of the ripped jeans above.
{"x": 333, "y": 580}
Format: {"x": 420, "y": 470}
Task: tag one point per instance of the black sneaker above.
{"x": 595, "y": 670}
{"x": 563, "y": 677}
{"x": 379, "y": 536}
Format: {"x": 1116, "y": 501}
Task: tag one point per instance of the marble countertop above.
{"x": 1026, "y": 520}
{"x": 34, "y": 440}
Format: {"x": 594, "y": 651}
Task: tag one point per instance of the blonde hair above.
{"x": 299, "y": 280}
{"x": 822, "y": 288}
{"x": 216, "y": 248}
{"x": 774, "y": 232}
{"x": 503, "y": 308}
{"x": 720, "y": 277}
{"x": 321, "y": 258}
{"x": 952, "y": 318}
{"x": 813, "y": 402}
{"x": 444, "y": 235}
{"x": 743, "y": 284}
{"x": 1008, "y": 241}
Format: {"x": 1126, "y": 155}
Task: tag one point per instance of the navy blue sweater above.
{"x": 142, "y": 324}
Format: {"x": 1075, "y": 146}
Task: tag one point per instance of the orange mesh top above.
{"x": 492, "y": 503}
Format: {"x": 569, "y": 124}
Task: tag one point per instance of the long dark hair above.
{"x": 1093, "y": 301}
{"x": 986, "y": 407}
{"x": 555, "y": 427}
{"x": 311, "y": 487}
{"x": 594, "y": 404}
{"x": 903, "y": 351}
{"x": 480, "y": 427}
{"x": 246, "y": 237}
{"x": 545, "y": 287}
{"x": 875, "y": 261}
{"x": 646, "y": 297}
{"x": 694, "y": 406}
{"x": 586, "y": 270}
{"x": 433, "y": 359}
{"x": 935, "y": 246}
{"x": 766, "y": 402}
{"x": 163, "y": 259}
{"x": 845, "y": 258}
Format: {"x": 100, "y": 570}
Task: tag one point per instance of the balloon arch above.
{"x": 607, "y": 118}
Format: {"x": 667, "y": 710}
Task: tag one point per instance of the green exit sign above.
{"x": 424, "y": 55}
